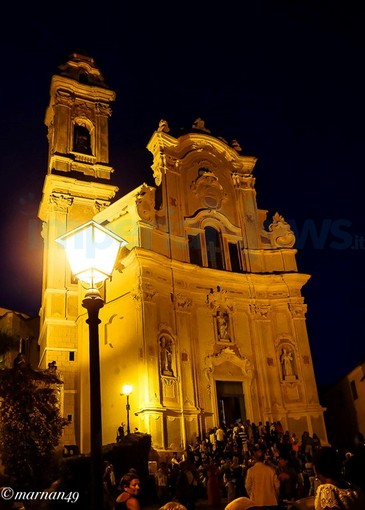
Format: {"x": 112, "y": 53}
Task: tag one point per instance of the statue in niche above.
{"x": 166, "y": 356}
{"x": 287, "y": 363}
{"x": 222, "y": 326}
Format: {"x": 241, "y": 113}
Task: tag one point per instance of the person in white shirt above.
{"x": 262, "y": 483}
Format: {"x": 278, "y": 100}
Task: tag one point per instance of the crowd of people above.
{"x": 248, "y": 466}
{"x": 219, "y": 464}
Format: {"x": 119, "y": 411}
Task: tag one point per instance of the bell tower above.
{"x": 77, "y": 119}
{"x": 76, "y": 187}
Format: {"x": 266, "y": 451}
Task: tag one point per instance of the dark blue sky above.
{"x": 283, "y": 78}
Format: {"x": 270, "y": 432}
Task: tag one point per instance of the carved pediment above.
{"x": 232, "y": 355}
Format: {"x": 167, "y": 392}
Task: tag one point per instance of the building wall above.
{"x": 26, "y": 330}
{"x": 345, "y": 408}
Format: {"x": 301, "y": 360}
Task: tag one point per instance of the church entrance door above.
{"x": 231, "y": 401}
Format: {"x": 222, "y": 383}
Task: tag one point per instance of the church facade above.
{"x": 204, "y": 315}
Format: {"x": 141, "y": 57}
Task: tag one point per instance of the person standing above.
{"x": 162, "y": 483}
{"x": 289, "y": 480}
{"x": 186, "y": 484}
{"x": 110, "y": 485}
{"x": 220, "y": 436}
{"x": 213, "y": 485}
{"x": 120, "y": 433}
{"x": 262, "y": 483}
{"x": 354, "y": 465}
{"x": 316, "y": 442}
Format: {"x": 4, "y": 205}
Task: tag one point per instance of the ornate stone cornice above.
{"x": 297, "y": 310}
{"x": 100, "y": 205}
{"x": 243, "y": 181}
{"x": 103, "y": 109}
{"x": 60, "y": 202}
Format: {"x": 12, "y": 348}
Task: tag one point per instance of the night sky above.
{"x": 283, "y": 78}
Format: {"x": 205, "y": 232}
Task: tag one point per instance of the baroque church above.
{"x": 204, "y": 314}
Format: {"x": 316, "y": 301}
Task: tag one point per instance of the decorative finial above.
{"x": 200, "y": 124}
{"x": 236, "y": 146}
{"x": 163, "y": 126}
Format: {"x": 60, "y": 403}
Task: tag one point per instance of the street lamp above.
{"x": 127, "y": 390}
{"x": 91, "y": 251}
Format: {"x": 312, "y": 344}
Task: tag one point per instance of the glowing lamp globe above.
{"x": 126, "y": 389}
{"x": 91, "y": 250}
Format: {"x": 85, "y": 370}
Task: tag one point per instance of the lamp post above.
{"x": 127, "y": 390}
{"x": 91, "y": 251}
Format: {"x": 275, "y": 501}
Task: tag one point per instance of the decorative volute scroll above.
{"x": 163, "y": 126}
{"x": 145, "y": 202}
{"x": 280, "y": 233}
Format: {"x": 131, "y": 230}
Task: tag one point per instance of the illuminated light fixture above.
{"x": 127, "y": 390}
{"x": 92, "y": 252}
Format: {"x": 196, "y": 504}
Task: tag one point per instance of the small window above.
{"x": 214, "y": 248}
{"x": 355, "y": 395}
{"x": 158, "y": 197}
{"x": 234, "y": 256}
{"x": 71, "y": 356}
{"x": 195, "y": 252}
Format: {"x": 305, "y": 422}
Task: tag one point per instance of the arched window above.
{"x": 214, "y": 248}
{"x": 82, "y": 141}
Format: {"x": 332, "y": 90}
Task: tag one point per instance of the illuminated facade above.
{"x": 204, "y": 314}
